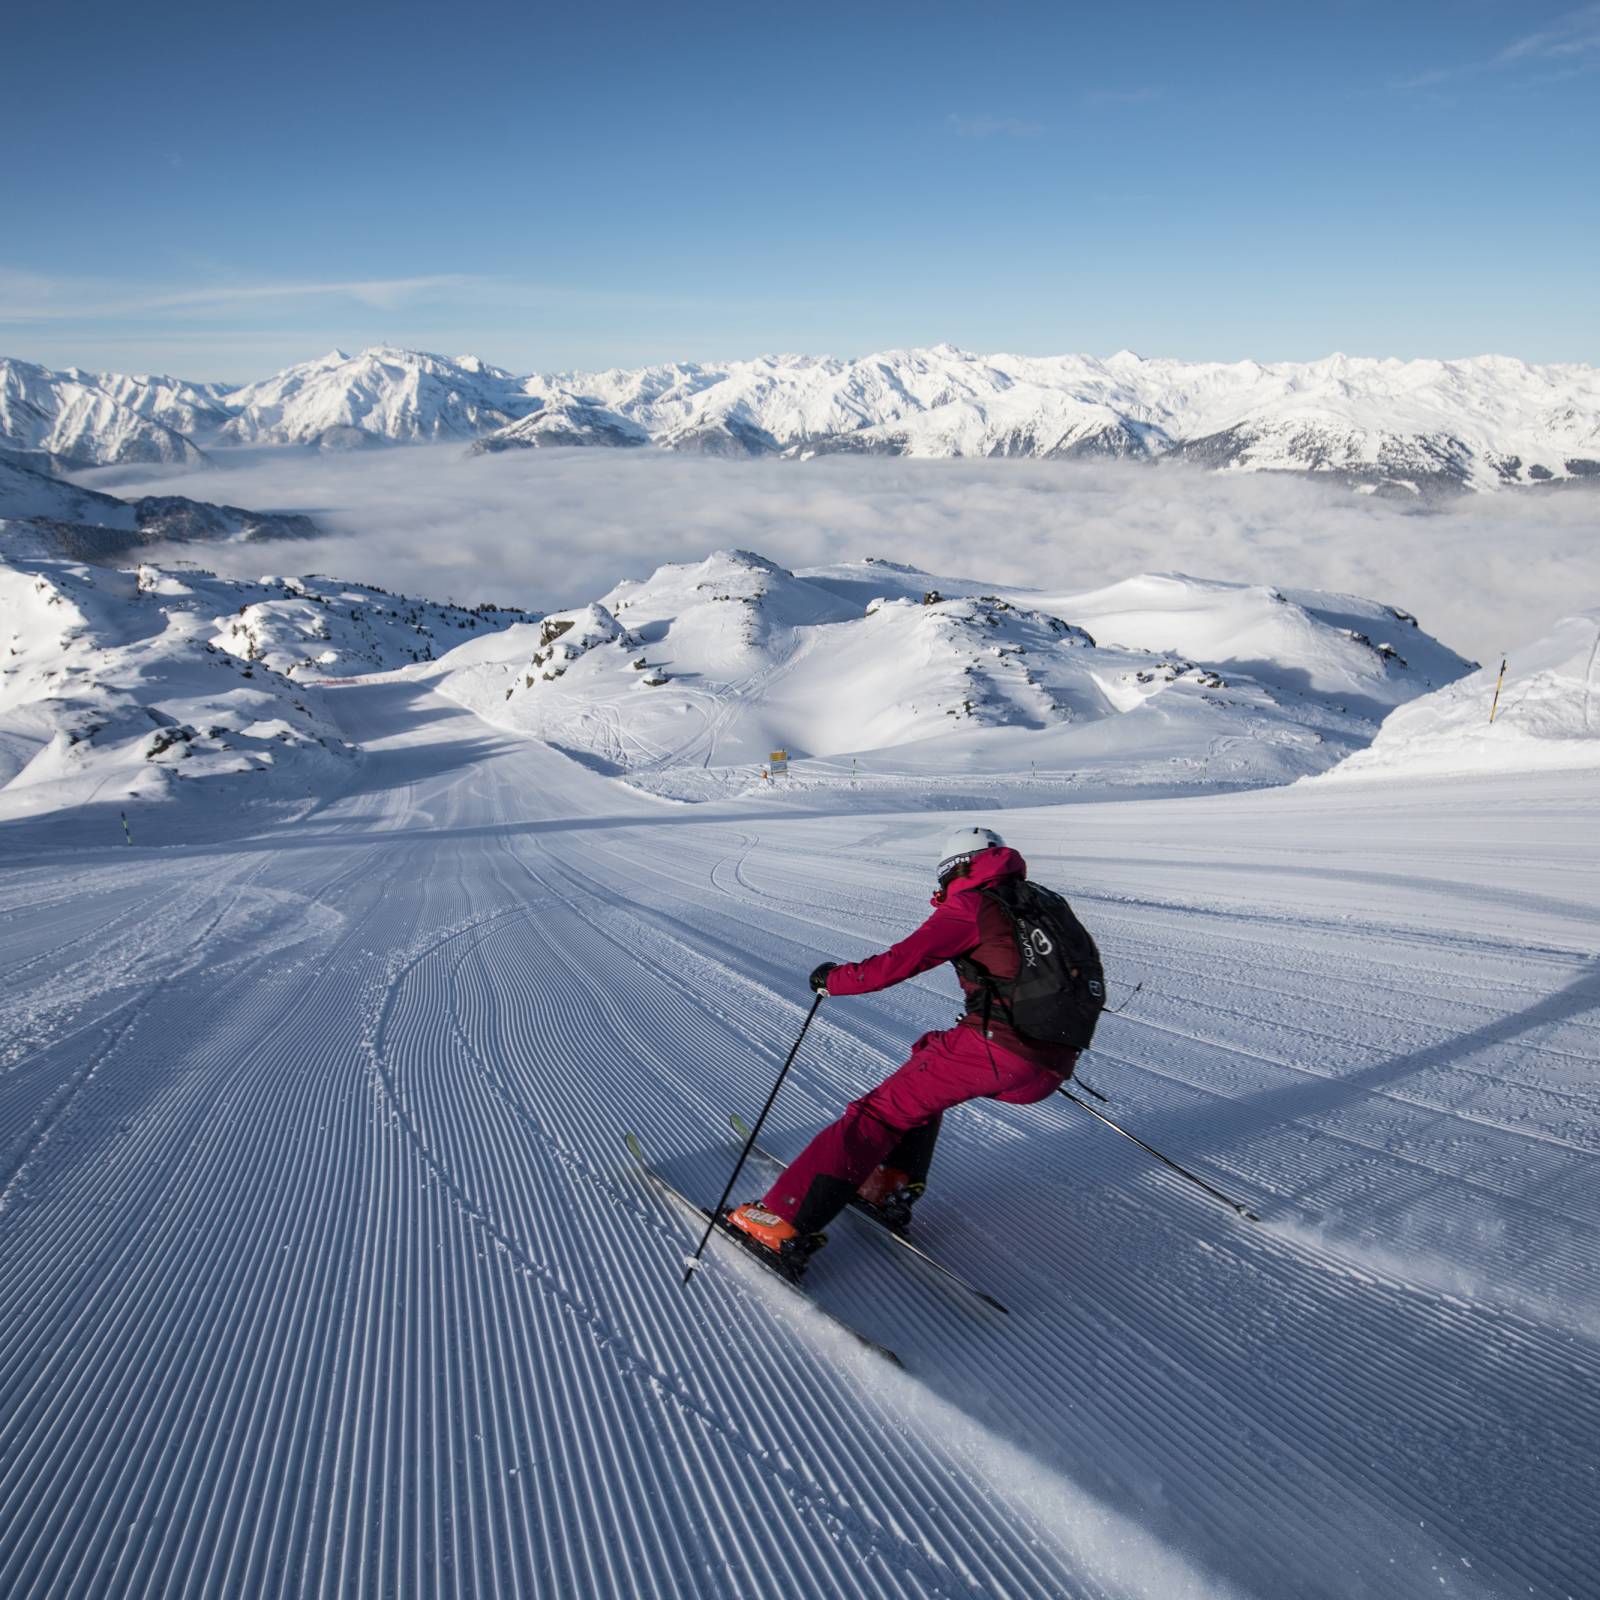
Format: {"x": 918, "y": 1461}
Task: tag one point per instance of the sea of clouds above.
{"x": 551, "y": 529}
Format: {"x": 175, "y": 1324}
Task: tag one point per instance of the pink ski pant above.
{"x": 945, "y": 1069}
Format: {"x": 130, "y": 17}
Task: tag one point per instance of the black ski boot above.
{"x": 888, "y": 1195}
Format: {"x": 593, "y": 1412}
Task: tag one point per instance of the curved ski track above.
{"x": 323, "y": 1271}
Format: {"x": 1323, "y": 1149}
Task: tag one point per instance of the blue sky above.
{"x": 220, "y": 190}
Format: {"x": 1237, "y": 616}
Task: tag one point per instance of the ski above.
{"x": 750, "y": 1248}
{"x": 742, "y": 1128}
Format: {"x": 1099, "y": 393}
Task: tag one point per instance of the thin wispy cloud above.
{"x": 1575, "y": 34}
{"x": 33, "y": 297}
{"x": 977, "y": 127}
{"x": 385, "y": 293}
{"x": 443, "y": 310}
{"x": 1574, "y": 37}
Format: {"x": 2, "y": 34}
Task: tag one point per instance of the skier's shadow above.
{"x": 1229, "y": 1122}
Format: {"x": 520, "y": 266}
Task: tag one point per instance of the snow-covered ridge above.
{"x": 683, "y": 683}
{"x": 1381, "y": 425}
{"x": 44, "y": 515}
{"x": 687, "y": 681}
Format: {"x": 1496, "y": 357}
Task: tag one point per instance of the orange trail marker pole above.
{"x": 1497, "y": 682}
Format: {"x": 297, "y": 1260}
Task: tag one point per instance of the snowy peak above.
{"x": 112, "y": 690}
{"x": 186, "y": 408}
{"x": 311, "y": 628}
{"x": 1381, "y": 425}
{"x": 381, "y": 395}
{"x": 563, "y": 420}
{"x": 759, "y": 589}
{"x": 729, "y": 615}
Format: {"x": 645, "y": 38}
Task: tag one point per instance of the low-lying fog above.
{"x": 553, "y": 528}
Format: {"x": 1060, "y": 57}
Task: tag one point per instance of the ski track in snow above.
{"x": 323, "y": 1269}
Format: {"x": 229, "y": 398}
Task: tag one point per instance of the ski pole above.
{"x": 1167, "y": 1161}
{"x": 750, "y": 1143}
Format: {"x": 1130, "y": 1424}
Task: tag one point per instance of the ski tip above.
{"x": 635, "y": 1149}
{"x": 989, "y": 1300}
{"x": 1249, "y": 1216}
{"x": 740, "y": 1126}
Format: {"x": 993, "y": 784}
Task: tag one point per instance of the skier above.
{"x": 991, "y": 925}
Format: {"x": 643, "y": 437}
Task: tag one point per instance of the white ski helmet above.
{"x": 962, "y": 845}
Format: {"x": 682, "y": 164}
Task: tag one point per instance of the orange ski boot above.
{"x": 765, "y": 1234}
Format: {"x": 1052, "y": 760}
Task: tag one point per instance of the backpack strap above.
{"x": 976, "y": 973}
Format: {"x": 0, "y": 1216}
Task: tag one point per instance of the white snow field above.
{"x": 323, "y": 1270}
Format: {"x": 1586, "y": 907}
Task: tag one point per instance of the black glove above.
{"x": 819, "y": 978}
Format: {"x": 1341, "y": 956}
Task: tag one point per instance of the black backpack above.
{"x": 1060, "y": 989}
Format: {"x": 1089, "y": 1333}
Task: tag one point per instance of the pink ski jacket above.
{"x": 963, "y": 923}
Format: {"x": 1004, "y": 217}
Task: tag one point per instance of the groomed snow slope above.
{"x": 1547, "y": 716}
{"x": 323, "y": 1270}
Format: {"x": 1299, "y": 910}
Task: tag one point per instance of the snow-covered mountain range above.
{"x": 73, "y": 418}
{"x": 1409, "y": 427}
